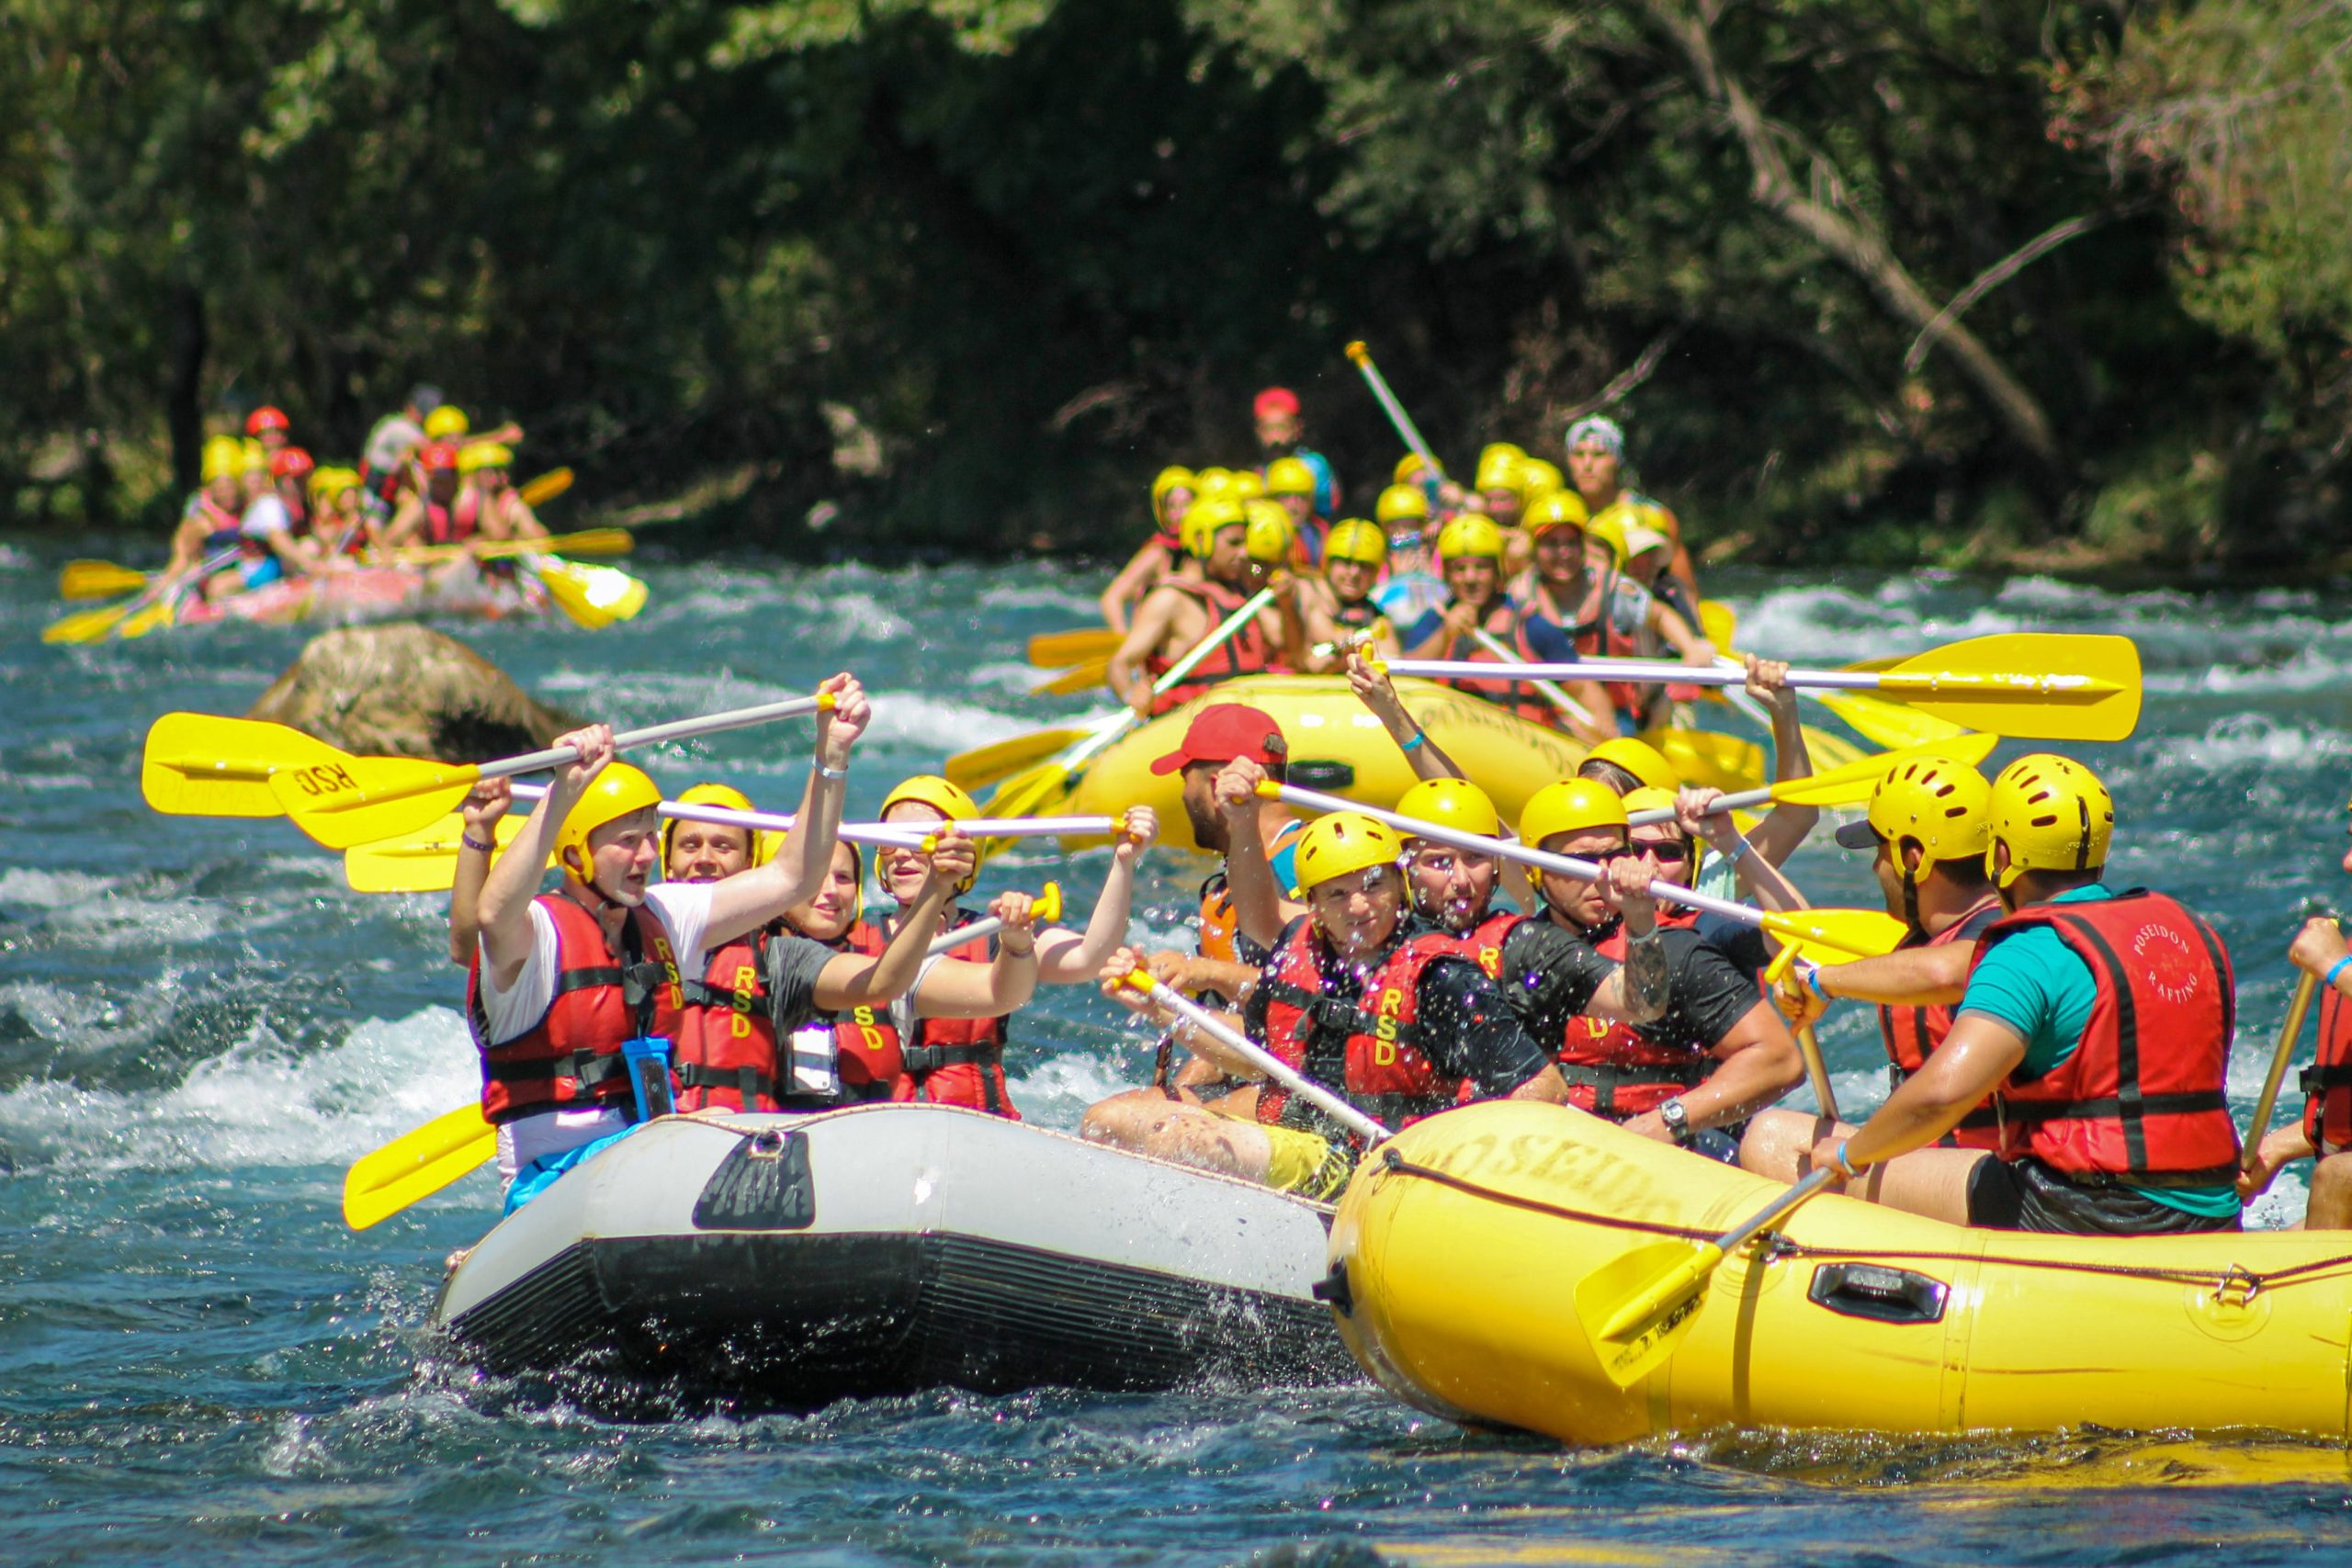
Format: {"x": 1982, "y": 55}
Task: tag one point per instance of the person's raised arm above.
{"x": 484, "y": 805}
{"x": 1290, "y": 623}
{"x": 856, "y": 979}
{"x": 959, "y": 988}
{"x": 752, "y": 898}
{"x": 1249, "y": 874}
{"x": 1065, "y": 958}
{"x": 1638, "y": 991}
{"x": 1376, "y": 692}
{"x": 1787, "y": 825}
{"x": 505, "y": 907}
{"x": 1153, "y": 618}
{"x": 1135, "y": 579}
{"x": 1758, "y": 878}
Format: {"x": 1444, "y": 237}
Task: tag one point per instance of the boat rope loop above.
{"x": 2240, "y": 1282}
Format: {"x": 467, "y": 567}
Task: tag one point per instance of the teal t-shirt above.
{"x": 2034, "y": 984}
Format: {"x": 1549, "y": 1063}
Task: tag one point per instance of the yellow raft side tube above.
{"x": 1336, "y": 745}
{"x": 1462, "y": 1241}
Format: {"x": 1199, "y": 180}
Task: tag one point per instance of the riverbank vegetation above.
{"x": 1941, "y": 282}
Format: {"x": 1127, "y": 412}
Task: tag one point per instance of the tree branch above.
{"x": 1992, "y": 277}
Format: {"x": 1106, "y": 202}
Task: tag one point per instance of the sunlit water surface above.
{"x": 200, "y": 1026}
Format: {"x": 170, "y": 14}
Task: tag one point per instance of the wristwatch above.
{"x": 1678, "y": 1121}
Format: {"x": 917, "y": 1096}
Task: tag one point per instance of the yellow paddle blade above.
{"x": 1637, "y": 1308}
{"x": 1852, "y": 784}
{"x": 97, "y": 580}
{"x": 593, "y": 596}
{"x": 1077, "y": 677}
{"x": 546, "y": 487}
{"x": 1885, "y": 723}
{"x": 200, "y": 764}
{"x": 984, "y": 765}
{"x": 1829, "y": 750}
{"x": 2031, "y": 685}
{"x": 415, "y": 1166}
{"x": 163, "y": 612}
{"x": 1711, "y": 760}
{"x": 360, "y": 800}
{"x": 424, "y": 861}
{"x": 1837, "y": 936}
{"x": 1717, "y": 623}
{"x": 588, "y": 542}
{"x": 85, "y": 626}
{"x": 1051, "y": 651}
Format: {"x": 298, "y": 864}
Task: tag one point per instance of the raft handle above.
{"x": 1316, "y": 773}
{"x": 1332, "y": 1289}
{"x": 1877, "y": 1292}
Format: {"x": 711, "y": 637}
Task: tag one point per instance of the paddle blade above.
{"x": 162, "y": 613}
{"x": 1717, "y": 623}
{"x": 360, "y": 800}
{"x": 2029, "y": 685}
{"x": 546, "y": 487}
{"x": 1051, "y": 651}
{"x": 1704, "y": 758}
{"x": 85, "y": 626}
{"x": 1837, "y": 936}
{"x": 593, "y": 596}
{"x": 984, "y": 765}
{"x": 415, "y": 1166}
{"x": 596, "y": 542}
{"x": 1885, "y": 723}
{"x": 1852, "y": 784}
{"x": 1077, "y": 677}
{"x": 424, "y": 861}
{"x": 200, "y": 764}
{"x": 1637, "y": 1308}
{"x": 97, "y": 580}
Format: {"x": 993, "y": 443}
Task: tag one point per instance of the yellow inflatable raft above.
{"x": 1459, "y": 1247}
{"x": 1335, "y": 745}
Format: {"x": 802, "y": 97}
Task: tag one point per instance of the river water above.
{"x": 200, "y": 1026}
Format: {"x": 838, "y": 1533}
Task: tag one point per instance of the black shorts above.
{"x": 2030, "y": 1195}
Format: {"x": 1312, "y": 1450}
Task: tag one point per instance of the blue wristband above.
{"x": 2335, "y": 970}
{"x": 1845, "y": 1165}
{"x": 1813, "y": 982}
{"x": 1416, "y": 740}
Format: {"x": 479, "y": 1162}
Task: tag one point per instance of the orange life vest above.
{"x": 2327, "y": 1082}
{"x": 571, "y": 1057}
{"x": 2141, "y": 1096}
{"x": 1615, "y": 1070}
{"x": 1246, "y": 652}
{"x": 1911, "y": 1033}
{"x": 957, "y": 1061}
{"x": 1508, "y": 623}
{"x": 1368, "y": 1050}
{"x": 1220, "y": 938}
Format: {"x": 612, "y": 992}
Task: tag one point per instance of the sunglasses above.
{"x": 1672, "y": 851}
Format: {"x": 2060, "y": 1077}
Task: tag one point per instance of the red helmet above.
{"x": 437, "y": 454}
{"x": 1273, "y": 400}
{"x": 265, "y": 418}
{"x": 290, "y": 463}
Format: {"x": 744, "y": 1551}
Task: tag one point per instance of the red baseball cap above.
{"x": 1222, "y": 731}
{"x": 1275, "y": 399}
{"x": 291, "y": 463}
{"x": 437, "y": 454}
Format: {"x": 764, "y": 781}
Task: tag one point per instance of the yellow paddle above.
{"x": 984, "y": 765}
{"x": 593, "y": 596}
{"x": 2038, "y": 685}
{"x": 1360, "y": 357}
{"x": 97, "y": 580}
{"x": 1875, "y": 719}
{"x": 1077, "y": 677}
{"x": 1816, "y": 1065}
{"x": 357, "y": 800}
{"x": 147, "y": 609}
{"x": 200, "y": 764}
{"x": 422, "y": 861}
{"x": 2306, "y": 986}
{"x": 1847, "y": 933}
{"x": 415, "y": 1166}
{"x": 546, "y": 488}
{"x": 1637, "y": 1308}
{"x": 1052, "y": 650}
{"x": 587, "y": 542}
{"x": 1849, "y": 785}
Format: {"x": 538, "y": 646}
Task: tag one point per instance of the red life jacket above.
{"x": 1613, "y": 1070}
{"x": 1596, "y": 636}
{"x": 1170, "y": 542}
{"x": 1911, "y": 1033}
{"x": 1246, "y": 652}
{"x": 957, "y": 1061}
{"x": 571, "y": 1057}
{"x": 2141, "y": 1096}
{"x": 443, "y": 527}
{"x": 2327, "y": 1082}
{"x": 1369, "y": 1052}
{"x": 1507, "y": 622}
{"x": 866, "y": 1039}
{"x": 726, "y": 1056}
{"x": 1485, "y": 941}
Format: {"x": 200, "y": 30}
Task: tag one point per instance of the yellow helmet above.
{"x": 1539, "y": 475}
{"x": 1452, "y": 803}
{"x": 2052, "y": 812}
{"x": 1469, "y": 535}
{"x": 446, "y": 423}
{"x": 621, "y": 790}
{"x": 1646, "y": 798}
{"x": 762, "y": 843}
{"x": 328, "y": 483}
{"x": 223, "y": 455}
{"x": 1170, "y": 479}
{"x": 1212, "y": 481}
{"x": 1555, "y": 509}
{"x": 1354, "y": 539}
{"x": 1204, "y": 520}
{"x": 1639, "y": 758}
{"x": 1409, "y": 467}
{"x": 485, "y": 455}
{"x": 1609, "y": 529}
{"x": 252, "y": 457}
{"x": 1245, "y": 485}
{"x": 1402, "y": 501}
{"x": 1289, "y": 476}
{"x": 949, "y": 799}
{"x": 1499, "y": 467}
{"x": 1938, "y": 804}
{"x": 1571, "y": 805}
{"x": 1341, "y": 842}
{"x": 1269, "y": 536}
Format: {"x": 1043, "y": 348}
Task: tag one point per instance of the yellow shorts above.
{"x": 1303, "y": 1163}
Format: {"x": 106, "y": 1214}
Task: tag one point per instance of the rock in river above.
{"x": 401, "y": 690}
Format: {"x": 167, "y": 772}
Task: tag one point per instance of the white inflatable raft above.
{"x": 784, "y": 1262}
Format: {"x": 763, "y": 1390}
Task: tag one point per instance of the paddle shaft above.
{"x": 1103, "y": 739}
{"x": 1679, "y": 1281}
{"x": 1550, "y": 690}
{"x": 1047, "y": 909}
{"x": 1265, "y": 1061}
{"x": 1036, "y": 827}
{"x": 1739, "y": 1235}
{"x": 1642, "y": 672}
{"x": 2289, "y": 1032}
{"x": 877, "y": 833}
{"x": 654, "y": 734}
{"x": 1392, "y": 408}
